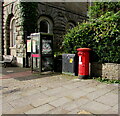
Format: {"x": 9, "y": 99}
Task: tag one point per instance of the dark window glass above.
{"x": 44, "y": 26}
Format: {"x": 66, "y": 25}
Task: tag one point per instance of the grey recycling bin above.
{"x": 70, "y": 64}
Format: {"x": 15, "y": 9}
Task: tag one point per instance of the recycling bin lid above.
{"x": 68, "y": 55}
{"x": 83, "y": 49}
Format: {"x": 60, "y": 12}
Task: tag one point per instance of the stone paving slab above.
{"x": 74, "y": 104}
{"x": 56, "y": 84}
{"x": 108, "y": 99}
{"x": 63, "y": 93}
{"x": 20, "y": 110}
{"x": 18, "y": 103}
{"x": 115, "y": 91}
{"x": 57, "y": 111}
{"x": 111, "y": 111}
{"x": 115, "y": 107}
{"x": 42, "y": 88}
{"x": 60, "y": 101}
{"x": 95, "y": 107}
{"x": 40, "y": 110}
{"x": 89, "y": 89}
{"x": 6, "y": 107}
{"x": 30, "y": 92}
{"x": 98, "y": 93}
{"x": 43, "y": 101}
{"x": 73, "y": 85}
{"x": 54, "y": 91}
{"x": 11, "y": 97}
{"x": 57, "y": 94}
{"x": 74, "y": 94}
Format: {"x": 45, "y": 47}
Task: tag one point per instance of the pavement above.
{"x": 23, "y": 92}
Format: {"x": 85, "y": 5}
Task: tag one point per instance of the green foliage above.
{"x": 78, "y": 37}
{"x": 100, "y": 8}
{"x": 102, "y": 35}
{"x": 108, "y": 81}
{"x": 29, "y": 15}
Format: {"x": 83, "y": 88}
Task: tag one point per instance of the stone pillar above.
{"x": 0, "y": 53}
{"x": 0, "y": 30}
{"x": 13, "y": 11}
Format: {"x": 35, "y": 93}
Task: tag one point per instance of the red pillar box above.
{"x": 83, "y": 65}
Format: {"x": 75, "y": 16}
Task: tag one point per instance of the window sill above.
{"x": 12, "y": 47}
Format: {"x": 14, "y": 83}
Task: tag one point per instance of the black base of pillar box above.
{"x": 83, "y": 76}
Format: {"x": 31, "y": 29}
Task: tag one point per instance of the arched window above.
{"x": 45, "y": 25}
{"x": 13, "y": 33}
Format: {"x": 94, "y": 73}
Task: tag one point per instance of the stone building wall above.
{"x": 59, "y": 13}
{"x": 12, "y": 10}
{"x": 0, "y": 30}
{"x": 106, "y": 70}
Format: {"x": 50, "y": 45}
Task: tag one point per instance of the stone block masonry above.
{"x": 60, "y": 16}
{"x": 11, "y": 12}
{"x": 106, "y": 70}
{"x": 0, "y": 30}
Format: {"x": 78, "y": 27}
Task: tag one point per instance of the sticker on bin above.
{"x": 71, "y": 60}
{"x": 80, "y": 60}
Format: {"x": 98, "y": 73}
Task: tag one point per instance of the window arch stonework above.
{"x": 70, "y": 25}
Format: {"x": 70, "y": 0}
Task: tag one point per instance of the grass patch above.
{"x": 108, "y": 81}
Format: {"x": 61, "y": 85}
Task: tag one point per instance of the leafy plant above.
{"x": 29, "y": 15}
{"x": 108, "y": 81}
{"x": 100, "y": 8}
{"x": 101, "y": 34}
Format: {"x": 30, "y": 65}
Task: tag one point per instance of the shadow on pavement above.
{"x": 10, "y": 70}
{"x": 37, "y": 76}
